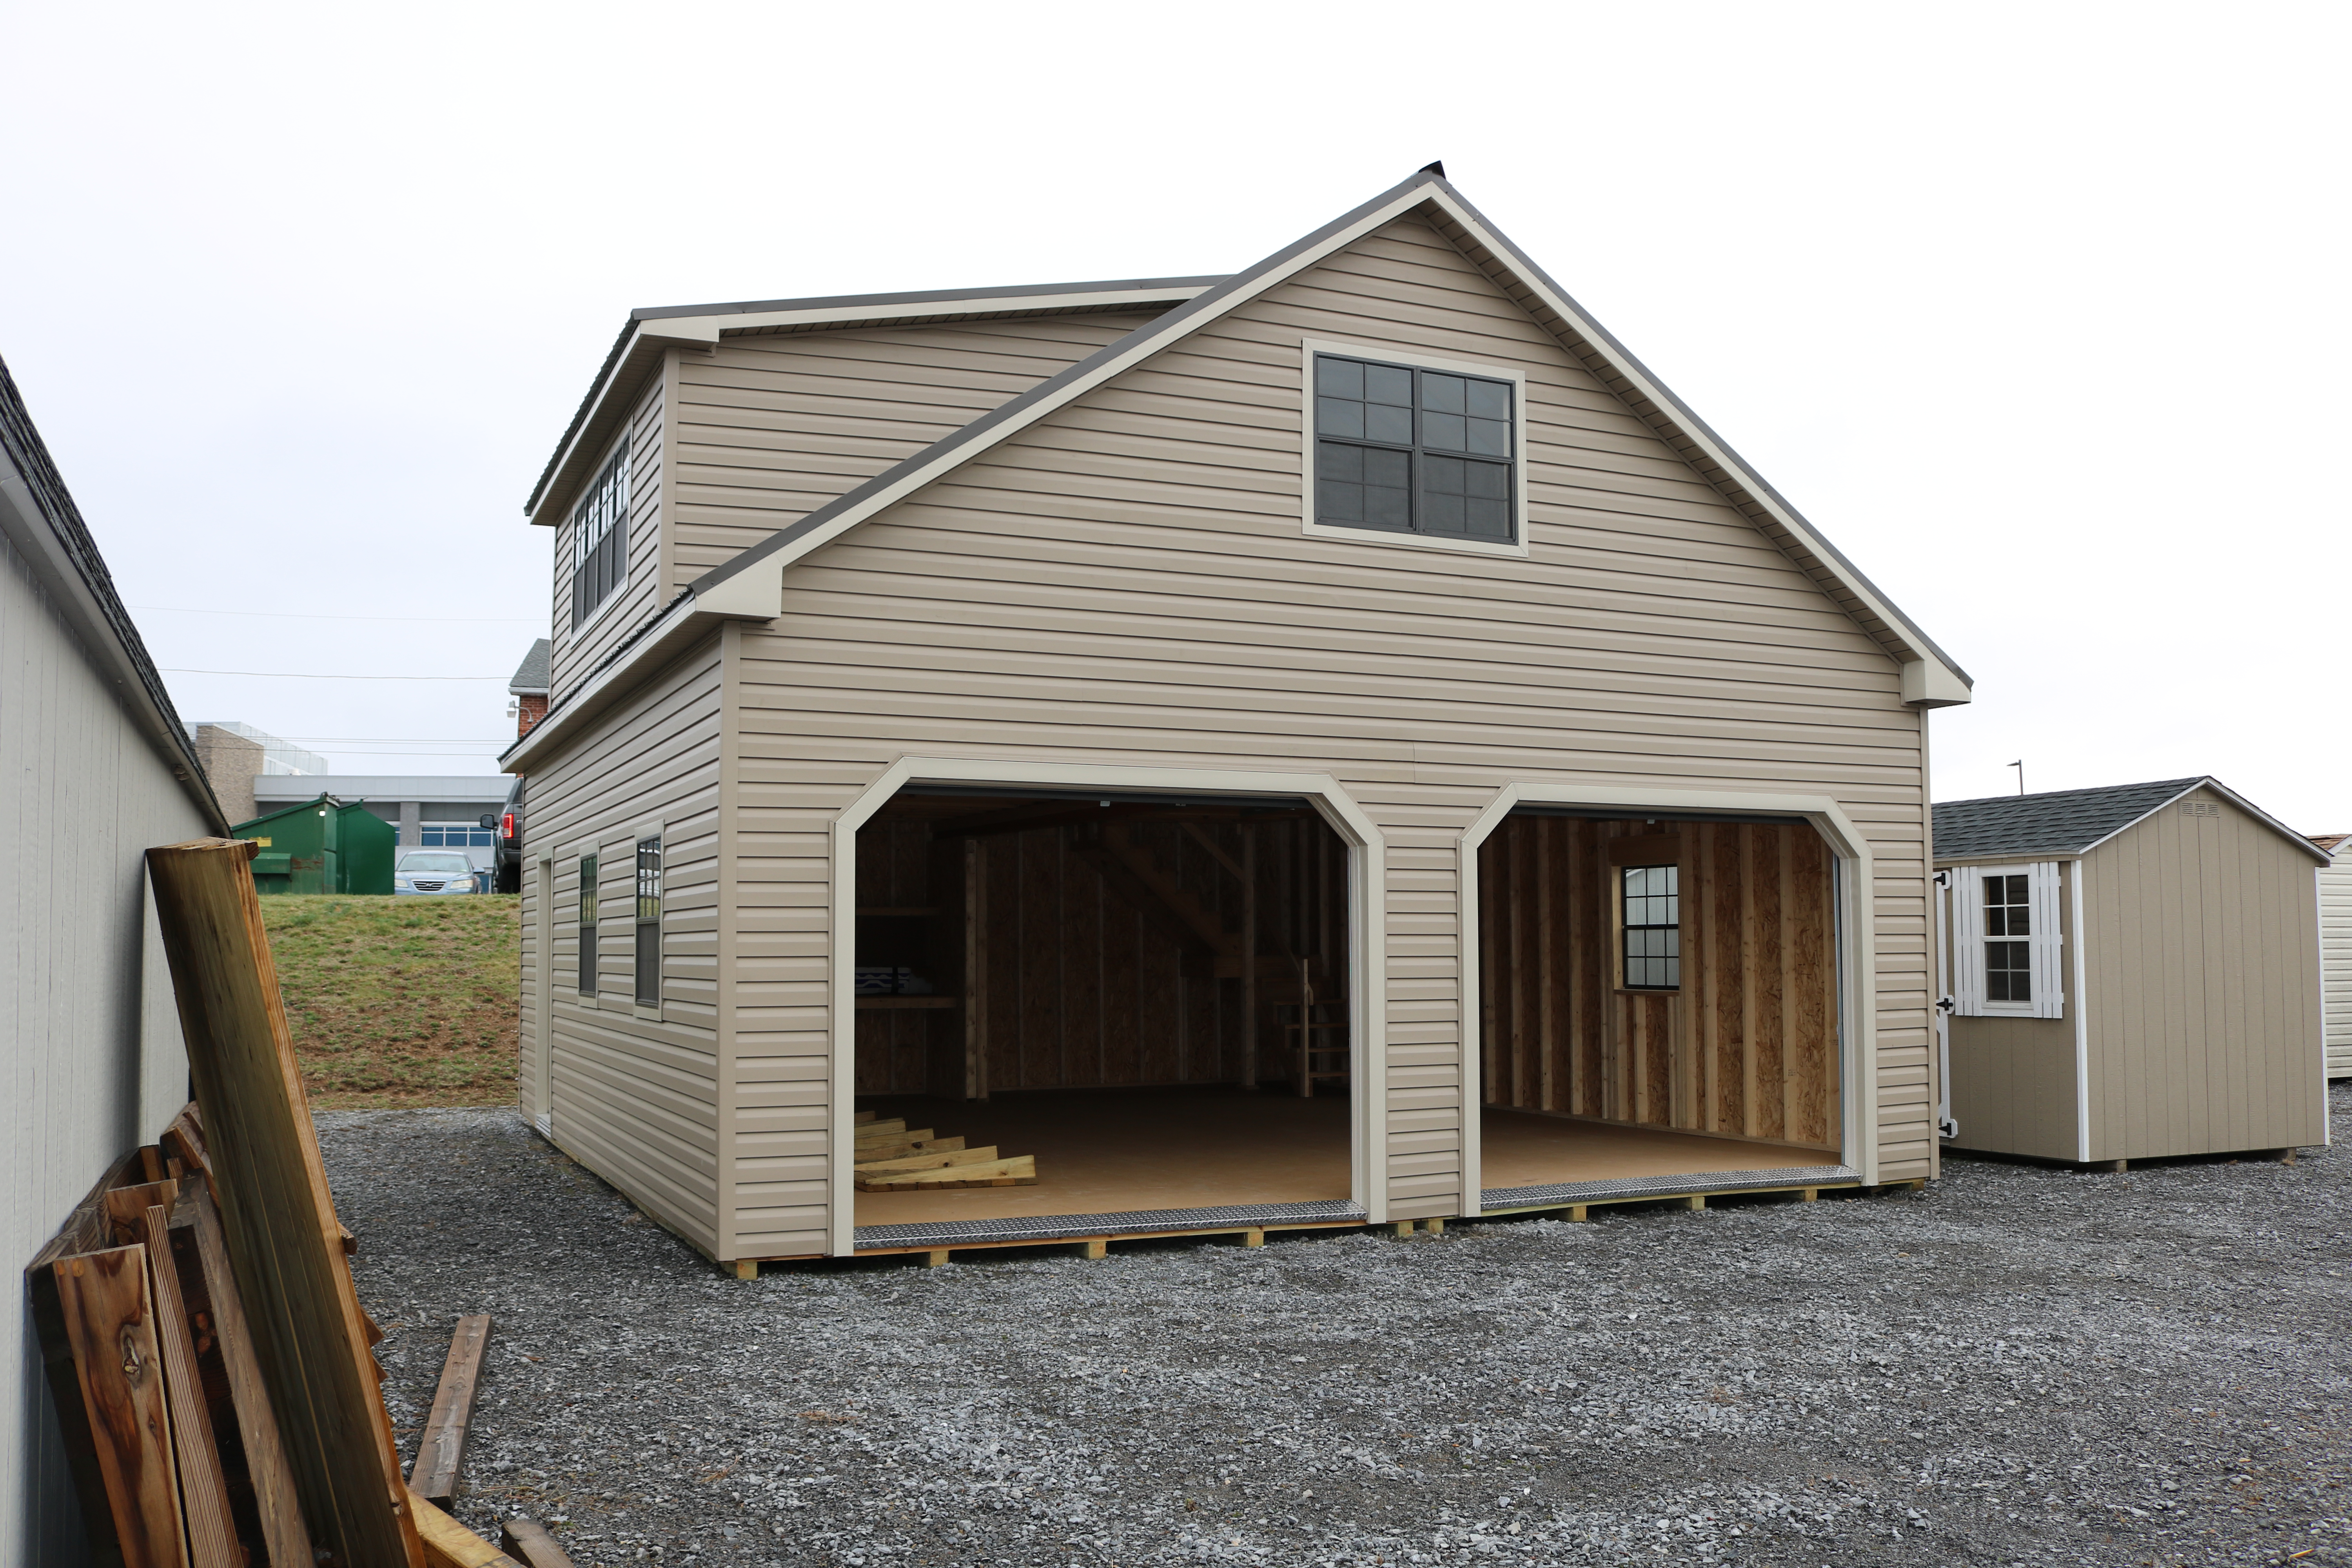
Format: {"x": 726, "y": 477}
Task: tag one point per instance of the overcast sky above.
{"x": 2037, "y": 311}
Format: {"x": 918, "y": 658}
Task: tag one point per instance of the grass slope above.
{"x": 401, "y": 1001}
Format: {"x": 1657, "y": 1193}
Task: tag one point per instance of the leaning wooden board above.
{"x": 285, "y": 1244}
{"x": 1021, "y": 1171}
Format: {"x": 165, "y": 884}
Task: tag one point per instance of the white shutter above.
{"x": 2049, "y": 946}
{"x": 1967, "y": 896}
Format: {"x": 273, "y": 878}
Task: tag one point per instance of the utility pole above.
{"x": 2020, "y": 766}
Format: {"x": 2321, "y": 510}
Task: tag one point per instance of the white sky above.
{"x": 2037, "y": 311}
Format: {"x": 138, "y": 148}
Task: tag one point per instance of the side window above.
{"x": 600, "y": 537}
{"x": 1407, "y": 450}
{"x": 2005, "y": 943}
{"x": 649, "y": 913}
{"x": 587, "y": 925}
{"x": 1653, "y": 935}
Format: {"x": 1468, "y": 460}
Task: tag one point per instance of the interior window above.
{"x": 1653, "y": 928}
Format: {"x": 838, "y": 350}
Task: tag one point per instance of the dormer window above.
{"x": 1410, "y": 450}
{"x": 600, "y": 538}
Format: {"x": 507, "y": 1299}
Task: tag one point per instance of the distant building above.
{"x": 530, "y": 688}
{"x": 235, "y": 754}
{"x": 427, "y": 813}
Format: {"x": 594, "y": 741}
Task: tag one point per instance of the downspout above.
{"x": 1945, "y": 1127}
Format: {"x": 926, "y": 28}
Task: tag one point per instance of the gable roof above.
{"x": 750, "y": 586}
{"x": 2070, "y": 821}
{"x": 39, "y": 517}
{"x": 530, "y": 674}
{"x": 2331, "y": 842}
{"x": 649, "y": 331}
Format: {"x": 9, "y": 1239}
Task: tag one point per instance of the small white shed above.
{"x": 2336, "y": 949}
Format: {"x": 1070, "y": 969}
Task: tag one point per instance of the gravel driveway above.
{"x": 2018, "y": 1365}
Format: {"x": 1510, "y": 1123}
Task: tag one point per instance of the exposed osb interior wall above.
{"x": 1747, "y": 1047}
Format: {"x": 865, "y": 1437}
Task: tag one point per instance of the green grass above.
{"x": 401, "y": 1001}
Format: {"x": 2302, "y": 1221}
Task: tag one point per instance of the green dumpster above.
{"x": 322, "y": 846}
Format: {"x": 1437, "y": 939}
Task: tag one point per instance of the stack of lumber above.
{"x": 209, "y": 1359}
{"x": 891, "y": 1158}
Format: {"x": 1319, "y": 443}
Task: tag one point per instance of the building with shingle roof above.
{"x": 2336, "y": 950}
{"x": 2129, "y": 971}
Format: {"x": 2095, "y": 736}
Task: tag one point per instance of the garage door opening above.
{"x": 1146, "y": 997}
{"x": 1658, "y": 1006}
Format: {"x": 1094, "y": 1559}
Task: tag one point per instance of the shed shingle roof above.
{"x": 2329, "y": 841}
{"x": 2060, "y": 822}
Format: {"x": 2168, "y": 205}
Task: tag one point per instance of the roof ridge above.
{"x": 2082, "y": 789}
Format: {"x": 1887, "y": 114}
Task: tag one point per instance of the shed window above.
{"x": 2005, "y": 940}
{"x": 587, "y": 925}
{"x": 1408, "y": 450}
{"x": 600, "y": 537}
{"x": 1653, "y": 928}
{"x": 649, "y": 912}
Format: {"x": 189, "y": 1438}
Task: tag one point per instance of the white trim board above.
{"x": 1856, "y": 941}
{"x": 1368, "y": 945}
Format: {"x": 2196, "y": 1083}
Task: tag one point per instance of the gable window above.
{"x": 2005, "y": 940}
{"x": 587, "y": 925}
{"x": 600, "y": 537}
{"x": 649, "y": 910}
{"x": 1653, "y": 929}
{"x": 1403, "y": 449}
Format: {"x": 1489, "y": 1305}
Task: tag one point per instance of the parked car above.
{"x": 437, "y": 871}
{"x": 508, "y": 825}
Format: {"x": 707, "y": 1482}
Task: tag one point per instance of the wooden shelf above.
{"x": 876, "y": 1003}
{"x": 896, "y": 911}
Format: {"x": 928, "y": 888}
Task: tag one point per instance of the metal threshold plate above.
{"x": 1494, "y": 1198}
{"x": 1068, "y": 1227}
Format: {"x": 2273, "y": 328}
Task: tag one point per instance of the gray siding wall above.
{"x": 770, "y": 428}
{"x": 2336, "y": 949}
{"x": 94, "y": 1059}
{"x": 2204, "y": 951}
{"x": 634, "y": 1096}
{"x": 577, "y": 654}
{"x": 1128, "y": 583}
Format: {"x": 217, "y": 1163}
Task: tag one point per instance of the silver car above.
{"x": 437, "y": 872}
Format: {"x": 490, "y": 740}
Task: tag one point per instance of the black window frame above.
{"x": 586, "y": 979}
{"x": 649, "y": 919}
{"x": 1668, "y": 951}
{"x": 1436, "y": 480}
{"x": 600, "y": 566}
{"x": 2009, "y": 937}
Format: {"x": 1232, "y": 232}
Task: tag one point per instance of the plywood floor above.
{"x": 1528, "y": 1151}
{"x": 1105, "y": 1151}
{"x": 1109, "y": 1151}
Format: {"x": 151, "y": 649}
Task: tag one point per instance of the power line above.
{"x": 306, "y": 675}
{"x": 429, "y": 740}
{"x": 299, "y": 615}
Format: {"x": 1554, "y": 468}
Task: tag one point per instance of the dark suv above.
{"x": 509, "y": 823}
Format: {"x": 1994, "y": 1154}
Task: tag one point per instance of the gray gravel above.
{"x": 2020, "y": 1365}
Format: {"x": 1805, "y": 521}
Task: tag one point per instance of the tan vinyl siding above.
{"x": 1127, "y": 582}
{"x": 2203, "y": 944}
{"x": 770, "y": 428}
{"x": 636, "y": 1098}
{"x": 577, "y": 654}
{"x": 2335, "y": 946}
{"x": 96, "y": 1066}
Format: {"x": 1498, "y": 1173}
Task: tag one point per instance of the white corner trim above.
{"x": 1857, "y": 942}
{"x": 2080, "y": 1002}
{"x": 1308, "y": 348}
{"x": 1368, "y": 988}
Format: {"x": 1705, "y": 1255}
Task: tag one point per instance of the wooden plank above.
{"x": 85, "y": 1230}
{"x": 110, "y": 1321}
{"x": 203, "y": 1494}
{"x": 975, "y": 969}
{"x": 309, "y": 1335}
{"x": 445, "y": 1543}
{"x": 285, "y": 1540}
{"x": 1546, "y": 973}
{"x": 1021, "y": 1170}
{"x": 930, "y": 1162}
{"x": 126, "y": 1210}
{"x": 1749, "y": 1123}
{"x": 528, "y": 1542}
{"x": 868, "y": 1132}
{"x": 1248, "y": 953}
{"x": 1792, "y": 1056}
{"x": 442, "y": 1448}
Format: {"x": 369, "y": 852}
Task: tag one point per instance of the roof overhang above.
{"x": 650, "y": 333}
{"x": 2319, "y": 857}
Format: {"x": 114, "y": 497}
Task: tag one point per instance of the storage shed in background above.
{"x": 322, "y": 845}
{"x": 2128, "y": 973}
{"x": 2336, "y": 949}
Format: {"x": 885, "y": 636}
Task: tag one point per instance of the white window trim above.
{"x": 569, "y": 538}
{"x": 2046, "y": 940}
{"x": 1309, "y": 347}
{"x": 588, "y": 998}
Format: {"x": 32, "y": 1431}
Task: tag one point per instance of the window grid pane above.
{"x": 600, "y": 536}
{"x": 1653, "y": 928}
{"x": 1412, "y": 451}
{"x": 649, "y": 908}
{"x": 587, "y": 925}
{"x": 2008, "y": 914}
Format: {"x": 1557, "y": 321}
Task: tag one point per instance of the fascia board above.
{"x": 830, "y": 522}
{"x": 1937, "y": 690}
{"x": 711, "y": 328}
{"x": 27, "y": 527}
